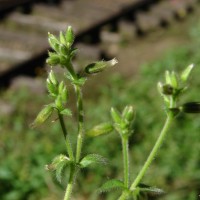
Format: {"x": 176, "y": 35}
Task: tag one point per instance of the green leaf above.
{"x": 58, "y": 164}
{"x": 101, "y": 129}
{"x": 185, "y": 74}
{"x": 43, "y": 115}
{"x": 91, "y": 159}
{"x": 153, "y": 191}
{"x": 112, "y": 184}
{"x": 66, "y": 112}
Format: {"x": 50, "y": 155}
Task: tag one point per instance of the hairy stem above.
{"x": 67, "y": 140}
{"x": 125, "y": 161}
{"x": 153, "y": 152}
{"x": 69, "y": 188}
{"x": 80, "y": 122}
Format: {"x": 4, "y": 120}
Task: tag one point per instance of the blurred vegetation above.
{"x": 24, "y": 152}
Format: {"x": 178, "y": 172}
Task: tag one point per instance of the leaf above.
{"x": 101, "y": 129}
{"x": 152, "y": 191}
{"x": 112, "y": 184}
{"x": 58, "y": 164}
{"x": 59, "y": 171}
{"x": 91, "y": 159}
{"x": 66, "y": 112}
{"x": 43, "y": 115}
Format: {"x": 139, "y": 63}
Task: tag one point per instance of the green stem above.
{"x": 125, "y": 160}
{"x": 68, "y": 143}
{"x": 153, "y": 152}
{"x": 80, "y": 122}
{"x": 69, "y": 188}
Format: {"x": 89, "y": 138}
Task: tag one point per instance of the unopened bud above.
{"x": 128, "y": 113}
{"x": 185, "y": 74}
{"x": 43, "y": 115}
{"x": 100, "y": 66}
{"x": 100, "y": 129}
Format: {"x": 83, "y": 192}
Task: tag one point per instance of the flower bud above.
{"x": 52, "y": 77}
{"x": 43, "y": 115}
{"x": 53, "y": 60}
{"x": 100, "y": 129}
{"x": 100, "y": 66}
{"x": 128, "y": 114}
{"x": 185, "y": 74}
{"x": 191, "y": 107}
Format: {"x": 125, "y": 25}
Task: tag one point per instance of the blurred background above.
{"x": 147, "y": 37}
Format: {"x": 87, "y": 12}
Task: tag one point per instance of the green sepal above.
{"x": 115, "y": 116}
{"x": 43, "y": 115}
{"x": 52, "y": 77}
{"x": 52, "y": 89}
{"x": 174, "y": 80}
{"x": 63, "y": 49}
{"x": 113, "y": 184}
{"x": 186, "y": 73}
{"x": 61, "y": 87}
{"x": 76, "y": 81}
{"x": 128, "y": 114}
{"x": 64, "y": 95}
{"x": 69, "y": 36}
{"x": 54, "y": 43}
{"x": 62, "y": 38}
{"x": 92, "y": 159}
{"x": 59, "y": 103}
{"x": 101, "y": 129}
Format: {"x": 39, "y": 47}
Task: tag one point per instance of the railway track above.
{"x": 97, "y": 23}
